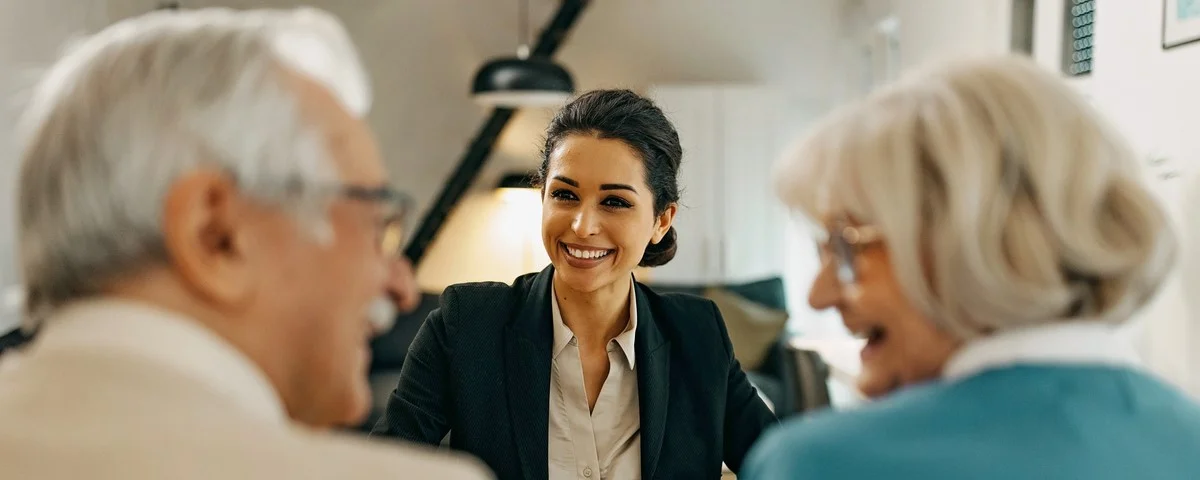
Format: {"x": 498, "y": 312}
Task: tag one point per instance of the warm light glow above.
{"x": 527, "y": 198}
{"x": 494, "y": 236}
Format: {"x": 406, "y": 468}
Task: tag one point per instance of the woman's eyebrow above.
{"x": 618, "y": 186}
{"x": 566, "y": 180}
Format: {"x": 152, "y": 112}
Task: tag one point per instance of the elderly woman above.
{"x": 987, "y": 234}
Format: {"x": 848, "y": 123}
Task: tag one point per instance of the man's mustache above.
{"x": 382, "y": 314}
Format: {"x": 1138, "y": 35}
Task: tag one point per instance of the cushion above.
{"x": 753, "y": 328}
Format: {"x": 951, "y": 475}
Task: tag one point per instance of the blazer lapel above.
{"x": 527, "y": 374}
{"x": 654, "y": 367}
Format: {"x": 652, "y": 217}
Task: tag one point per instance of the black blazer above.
{"x": 480, "y": 369}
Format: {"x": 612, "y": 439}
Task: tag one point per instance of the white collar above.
{"x": 166, "y": 338}
{"x": 1076, "y": 343}
{"x": 625, "y": 341}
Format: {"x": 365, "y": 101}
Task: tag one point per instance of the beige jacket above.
{"x": 114, "y": 390}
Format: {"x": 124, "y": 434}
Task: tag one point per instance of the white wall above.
{"x": 926, "y": 29}
{"x": 31, "y": 34}
{"x": 1151, "y": 95}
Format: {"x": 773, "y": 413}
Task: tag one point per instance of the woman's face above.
{"x": 598, "y": 212}
{"x": 903, "y": 346}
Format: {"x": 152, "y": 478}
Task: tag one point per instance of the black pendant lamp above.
{"x": 517, "y": 180}
{"x": 522, "y": 81}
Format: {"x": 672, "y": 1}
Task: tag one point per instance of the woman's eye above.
{"x": 616, "y": 202}
{"x": 562, "y": 195}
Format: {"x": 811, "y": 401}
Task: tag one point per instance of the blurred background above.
{"x": 741, "y": 80}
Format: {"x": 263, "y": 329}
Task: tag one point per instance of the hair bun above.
{"x": 658, "y": 254}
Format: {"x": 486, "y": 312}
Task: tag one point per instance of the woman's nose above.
{"x": 826, "y": 289}
{"x": 585, "y": 223}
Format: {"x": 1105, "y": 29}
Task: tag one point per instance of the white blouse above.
{"x": 606, "y": 442}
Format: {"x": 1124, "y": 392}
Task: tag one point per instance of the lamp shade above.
{"x": 517, "y": 180}
{"x": 522, "y": 82}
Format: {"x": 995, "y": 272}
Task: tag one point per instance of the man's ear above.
{"x": 203, "y": 220}
{"x": 662, "y": 222}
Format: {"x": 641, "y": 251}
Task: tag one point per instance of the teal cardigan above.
{"x": 1021, "y": 421}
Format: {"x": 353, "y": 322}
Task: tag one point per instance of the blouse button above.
{"x": 587, "y": 472}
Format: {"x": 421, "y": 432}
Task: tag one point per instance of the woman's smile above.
{"x": 584, "y": 257}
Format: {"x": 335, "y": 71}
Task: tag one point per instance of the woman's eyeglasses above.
{"x": 842, "y": 246}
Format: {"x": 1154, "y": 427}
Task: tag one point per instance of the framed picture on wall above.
{"x": 1181, "y": 22}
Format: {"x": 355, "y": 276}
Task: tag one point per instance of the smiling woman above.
{"x": 610, "y": 190}
{"x": 579, "y": 371}
{"x": 986, "y": 233}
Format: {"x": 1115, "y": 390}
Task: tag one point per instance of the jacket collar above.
{"x": 528, "y": 338}
{"x": 1076, "y": 343}
{"x": 654, "y": 381}
{"x": 533, "y": 318}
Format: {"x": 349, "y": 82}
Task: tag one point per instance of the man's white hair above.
{"x": 124, "y": 113}
{"x": 1003, "y": 199}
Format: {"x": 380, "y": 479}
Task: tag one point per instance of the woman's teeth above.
{"x": 587, "y": 254}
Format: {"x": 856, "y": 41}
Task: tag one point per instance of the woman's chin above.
{"x": 875, "y": 384}
{"x": 580, "y": 280}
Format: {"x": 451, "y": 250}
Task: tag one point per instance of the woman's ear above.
{"x": 662, "y": 223}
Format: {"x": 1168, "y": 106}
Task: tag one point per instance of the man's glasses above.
{"x": 397, "y": 207}
{"x": 842, "y": 246}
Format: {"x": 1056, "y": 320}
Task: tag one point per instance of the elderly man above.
{"x": 204, "y": 227}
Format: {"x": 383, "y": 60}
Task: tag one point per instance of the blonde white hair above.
{"x": 123, "y": 114}
{"x": 1003, "y": 199}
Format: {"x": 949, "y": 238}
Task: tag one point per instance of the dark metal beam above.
{"x": 556, "y": 31}
{"x": 480, "y": 148}
{"x": 464, "y": 175}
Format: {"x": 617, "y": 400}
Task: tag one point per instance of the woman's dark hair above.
{"x": 635, "y": 120}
